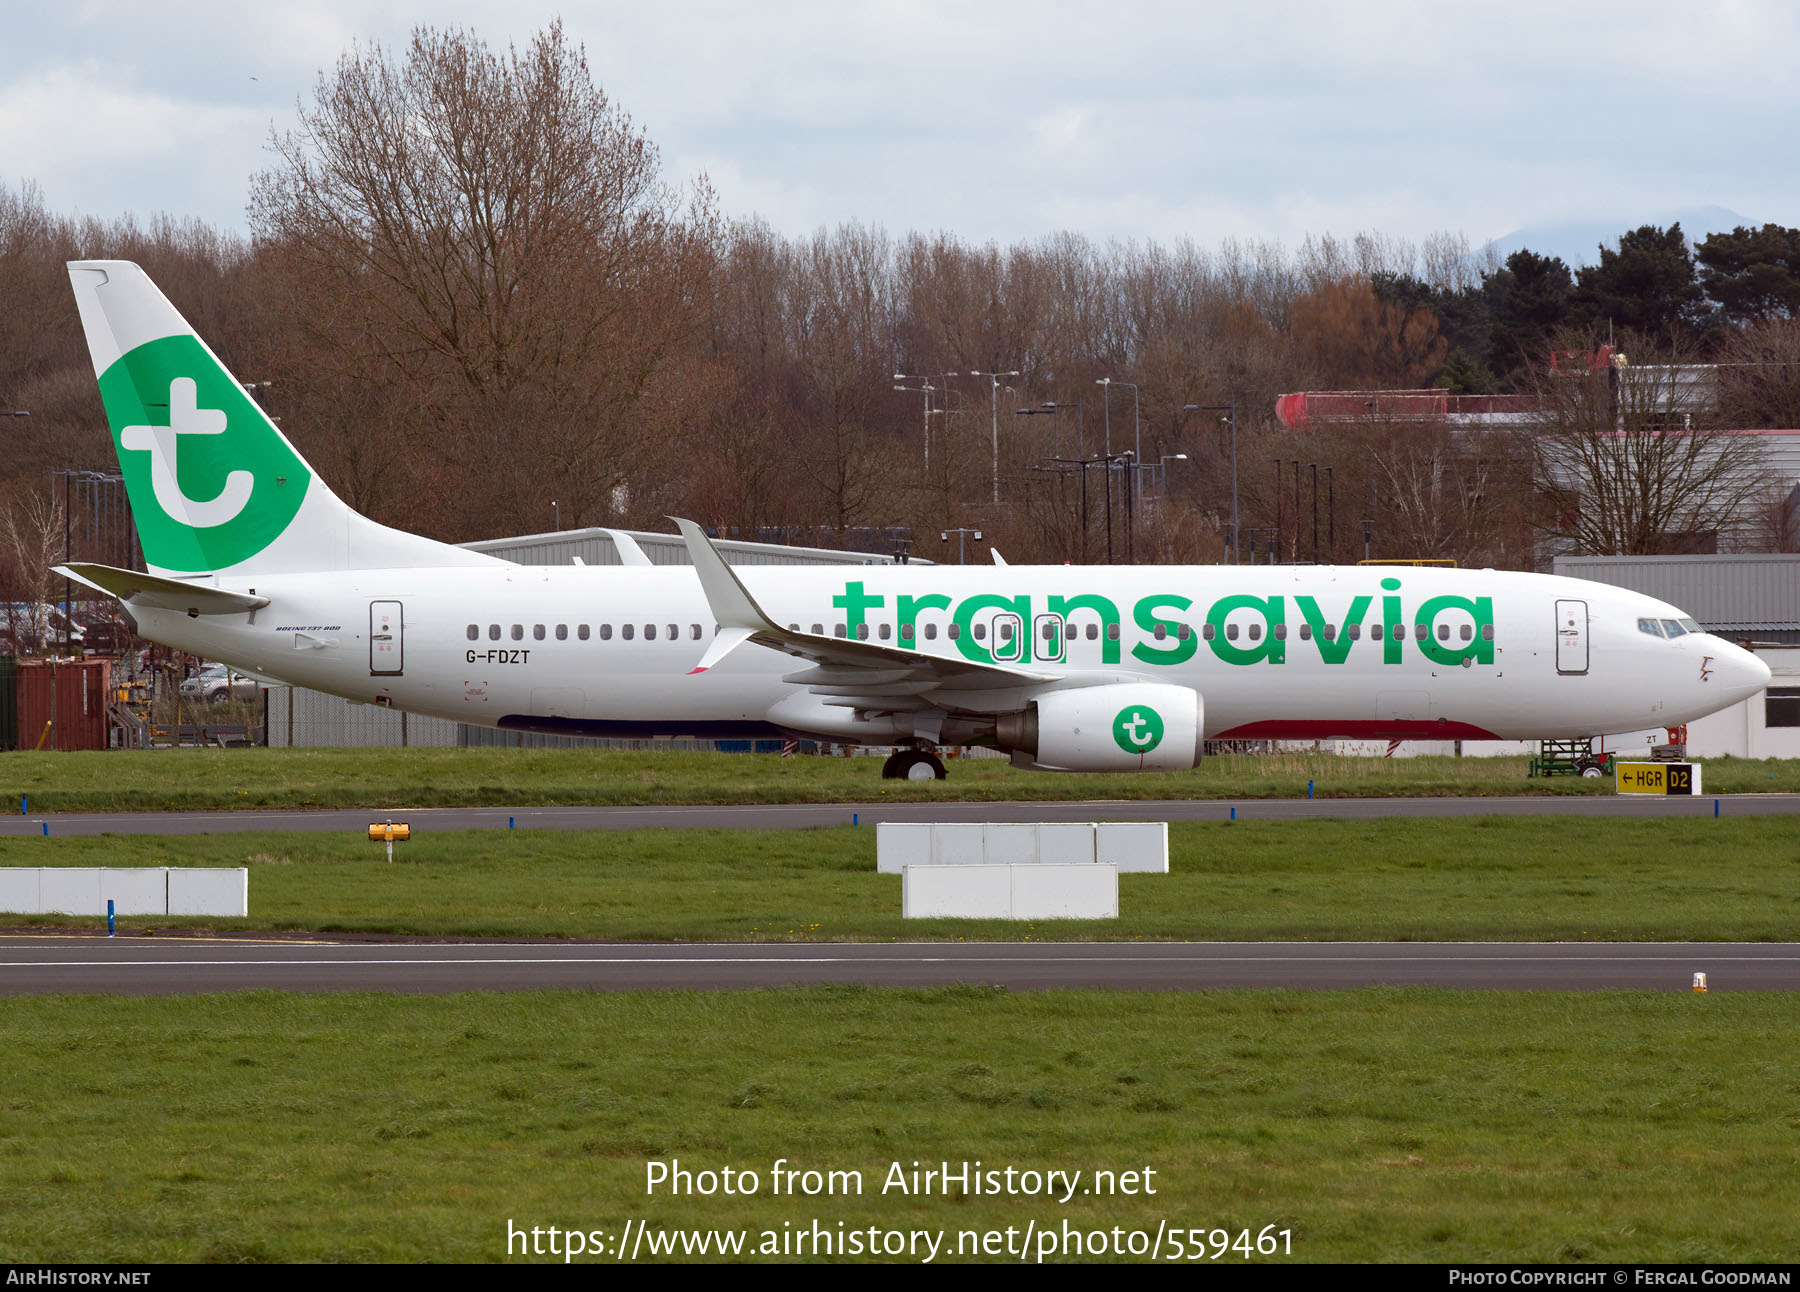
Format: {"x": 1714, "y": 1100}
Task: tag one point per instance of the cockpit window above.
{"x": 1691, "y": 625}
{"x": 1650, "y": 626}
{"x": 1673, "y": 629}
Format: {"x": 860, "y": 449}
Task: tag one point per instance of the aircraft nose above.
{"x": 1742, "y": 673}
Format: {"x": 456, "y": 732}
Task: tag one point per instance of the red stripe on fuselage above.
{"x": 1369, "y": 729}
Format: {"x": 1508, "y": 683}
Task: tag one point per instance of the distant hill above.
{"x": 1578, "y": 243}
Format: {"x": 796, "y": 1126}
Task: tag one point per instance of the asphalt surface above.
{"x": 163, "y": 966}
{"x": 791, "y": 816}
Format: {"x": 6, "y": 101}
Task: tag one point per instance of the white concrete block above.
{"x": 135, "y": 891}
{"x": 1008, "y": 843}
{"x": 962, "y": 892}
{"x": 958, "y": 844}
{"x": 1066, "y": 843}
{"x": 899, "y": 844}
{"x": 19, "y": 888}
{"x": 1081, "y": 892}
{"x": 1135, "y": 847}
{"x": 70, "y": 890}
{"x": 205, "y": 891}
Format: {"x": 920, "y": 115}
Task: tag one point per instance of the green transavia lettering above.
{"x": 1167, "y": 628}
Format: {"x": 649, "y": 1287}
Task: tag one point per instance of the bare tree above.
{"x": 490, "y": 232}
{"x": 31, "y": 542}
{"x": 1628, "y": 461}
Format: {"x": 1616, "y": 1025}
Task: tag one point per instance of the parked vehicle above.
{"x": 216, "y": 684}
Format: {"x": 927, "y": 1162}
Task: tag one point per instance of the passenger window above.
{"x": 1093, "y": 632}
{"x": 537, "y": 632}
{"x": 1049, "y": 633}
{"x": 493, "y": 632}
{"x": 953, "y": 632}
{"x": 1207, "y": 631}
{"x": 906, "y": 632}
{"x": 1443, "y": 632}
{"x": 930, "y": 632}
{"x": 1230, "y": 632}
{"x": 1256, "y": 632}
{"x": 518, "y": 632}
{"x": 793, "y": 628}
{"x": 626, "y": 631}
{"x": 1487, "y": 632}
{"x": 1280, "y": 631}
{"x": 1400, "y": 632}
{"x": 1162, "y": 631}
{"x": 474, "y": 632}
{"x": 674, "y": 632}
{"x": 818, "y": 630}
{"x": 1006, "y": 631}
{"x": 885, "y": 631}
{"x": 1184, "y": 632}
{"x": 562, "y": 632}
{"x": 582, "y": 632}
{"x": 1467, "y": 633}
{"x": 1375, "y": 631}
{"x": 1330, "y": 632}
{"x": 694, "y": 632}
{"x": 1305, "y": 632}
{"x": 649, "y": 632}
{"x": 840, "y": 630}
{"x": 1421, "y": 632}
{"x": 862, "y": 632}
{"x": 1355, "y": 632}
{"x": 1112, "y": 632}
{"x": 980, "y": 632}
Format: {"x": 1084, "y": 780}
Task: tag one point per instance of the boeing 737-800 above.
{"x": 254, "y": 561}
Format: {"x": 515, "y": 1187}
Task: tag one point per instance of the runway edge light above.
{"x": 1699, "y": 982}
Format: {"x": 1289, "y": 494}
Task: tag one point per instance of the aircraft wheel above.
{"x": 912, "y": 765}
{"x": 1592, "y": 771}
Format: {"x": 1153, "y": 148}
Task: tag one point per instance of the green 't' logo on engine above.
{"x": 1138, "y": 729}
{"x": 212, "y": 483}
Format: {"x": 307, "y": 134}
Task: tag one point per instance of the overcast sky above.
{"x": 995, "y": 119}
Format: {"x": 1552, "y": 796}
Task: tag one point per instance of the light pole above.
{"x": 1137, "y": 426}
{"x": 925, "y": 390}
{"x": 995, "y": 377}
{"x": 1162, "y": 468}
{"x": 556, "y": 514}
{"x": 1051, "y": 408}
{"x": 944, "y": 537}
{"x": 1277, "y": 462}
{"x": 1230, "y": 410}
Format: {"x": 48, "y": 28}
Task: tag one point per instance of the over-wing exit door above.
{"x": 386, "y": 644}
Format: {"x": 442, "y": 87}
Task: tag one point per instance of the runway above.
{"x": 160, "y": 966}
{"x": 794, "y": 816}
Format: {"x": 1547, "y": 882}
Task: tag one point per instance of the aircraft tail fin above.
{"x": 215, "y": 487}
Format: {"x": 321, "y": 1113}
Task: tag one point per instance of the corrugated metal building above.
{"x": 312, "y": 719}
{"x": 1743, "y": 595}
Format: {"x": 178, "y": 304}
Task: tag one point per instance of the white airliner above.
{"x": 254, "y": 561}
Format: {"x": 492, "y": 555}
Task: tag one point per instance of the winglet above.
{"x": 735, "y": 610}
{"x": 627, "y": 547}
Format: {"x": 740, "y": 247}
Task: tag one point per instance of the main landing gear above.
{"x": 913, "y": 764}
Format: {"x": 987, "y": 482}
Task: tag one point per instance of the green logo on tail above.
{"x": 212, "y": 483}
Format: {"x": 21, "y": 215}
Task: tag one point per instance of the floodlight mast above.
{"x": 995, "y": 378}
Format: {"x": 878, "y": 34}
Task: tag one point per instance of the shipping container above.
{"x": 79, "y": 689}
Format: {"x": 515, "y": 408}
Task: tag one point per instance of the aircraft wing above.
{"x": 887, "y": 677}
{"x": 135, "y": 588}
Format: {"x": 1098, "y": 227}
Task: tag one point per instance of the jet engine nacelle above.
{"x": 1122, "y": 727}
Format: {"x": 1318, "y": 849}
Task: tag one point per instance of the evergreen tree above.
{"x": 1752, "y": 273}
{"x": 1646, "y": 286}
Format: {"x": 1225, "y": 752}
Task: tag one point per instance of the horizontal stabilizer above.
{"x": 158, "y": 593}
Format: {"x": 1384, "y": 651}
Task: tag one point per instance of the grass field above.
{"x": 1383, "y": 1125}
{"x": 1467, "y": 878}
{"x": 212, "y": 779}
